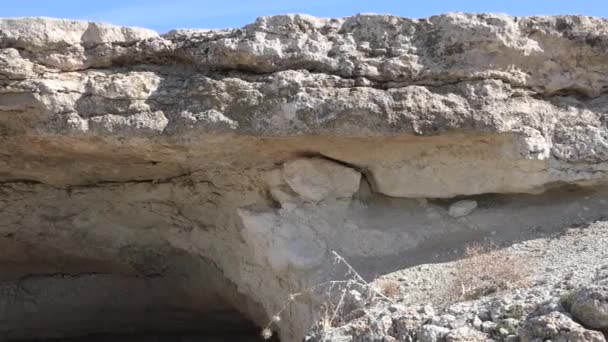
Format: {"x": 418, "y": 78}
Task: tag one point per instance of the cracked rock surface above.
{"x": 222, "y": 167}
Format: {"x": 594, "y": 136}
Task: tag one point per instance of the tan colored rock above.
{"x": 316, "y": 179}
{"x": 483, "y": 76}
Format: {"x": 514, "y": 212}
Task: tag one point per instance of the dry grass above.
{"x": 388, "y": 287}
{"x": 335, "y": 293}
{"x": 485, "y": 270}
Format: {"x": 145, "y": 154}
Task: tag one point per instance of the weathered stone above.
{"x": 443, "y": 320}
{"x": 353, "y": 300}
{"x": 590, "y": 306}
{"x": 520, "y": 138}
{"x": 488, "y": 327}
{"x": 465, "y": 334}
{"x": 316, "y": 179}
{"x": 284, "y": 246}
{"x": 432, "y": 333}
{"x": 556, "y": 326}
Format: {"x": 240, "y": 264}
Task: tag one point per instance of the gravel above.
{"x": 565, "y": 299}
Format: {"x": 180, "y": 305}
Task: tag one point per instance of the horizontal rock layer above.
{"x": 537, "y": 85}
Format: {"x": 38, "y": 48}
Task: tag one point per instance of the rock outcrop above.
{"x": 212, "y": 172}
{"x": 590, "y": 306}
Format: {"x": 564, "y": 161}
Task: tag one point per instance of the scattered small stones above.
{"x": 545, "y": 310}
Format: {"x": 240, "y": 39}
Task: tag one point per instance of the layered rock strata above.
{"x": 203, "y": 173}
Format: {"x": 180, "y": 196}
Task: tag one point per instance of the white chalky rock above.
{"x": 282, "y": 244}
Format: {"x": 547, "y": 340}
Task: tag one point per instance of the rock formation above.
{"x": 200, "y": 177}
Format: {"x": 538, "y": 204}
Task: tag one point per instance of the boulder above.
{"x": 316, "y": 179}
{"x": 556, "y": 326}
{"x": 590, "y": 306}
{"x": 432, "y": 333}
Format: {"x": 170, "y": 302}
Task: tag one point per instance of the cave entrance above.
{"x": 110, "y": 308}
{"x": 48, "y": 295}
{"x": 247, "y": 332}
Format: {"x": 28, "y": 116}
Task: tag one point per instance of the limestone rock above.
{"x": 316, "y": 179}
{"x": 590, "y": 306}
{"x": 480, "y": 76}
{"x": 353, "y": 300}
{"x": 465, "y": 334}
{"x": 432, "y": 333}
{"x": 556, "y": 326}
{"x": 284, "y": 246}
{"x": 45, "y": 33}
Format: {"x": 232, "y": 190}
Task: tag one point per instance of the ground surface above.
{"x": 558, "y": 266}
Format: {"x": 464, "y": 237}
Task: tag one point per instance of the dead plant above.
{"x": 388, "y": 287}
{"x": 334, "y": 293}
{"x": 485, "y": 270}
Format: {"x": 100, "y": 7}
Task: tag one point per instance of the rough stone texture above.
{"x": 432, "y": 333}
{"x": 556, "y": 326}
{"x": 590, "y": 306}
{"x": 561, "y": 265}
{"x": 316, "y": 179}
{"x": 531, "y": 120}
{"x": 465, "y": 334}
{"x": 232, "y": 162}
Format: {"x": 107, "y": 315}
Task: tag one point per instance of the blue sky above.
{"x": 165, "y": 15}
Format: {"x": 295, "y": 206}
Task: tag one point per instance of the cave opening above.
{"x": 183, "y": 336}
{"x": 47, "y": 294}
{"x": 252, "y": 335}
{"x": 62, "y": 311}
{"x": 169, "y": 330}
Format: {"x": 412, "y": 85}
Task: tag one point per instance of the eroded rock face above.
{"x": 250, "y": 154}
{"x": 364, "y": 76}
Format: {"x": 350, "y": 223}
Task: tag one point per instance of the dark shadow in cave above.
{"x": 68, "y": 298}
{"x": 499, "y": 219}
{"x": 176, "y": 336}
